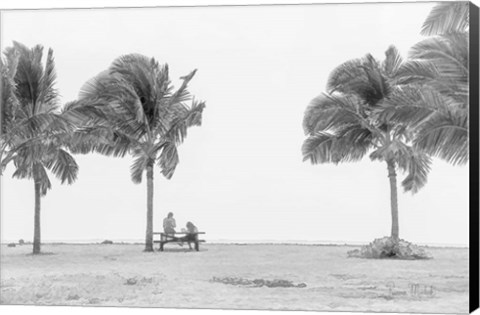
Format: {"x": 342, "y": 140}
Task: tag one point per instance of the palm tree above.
{"x": 142, "y": 115}
{"x": 33, "y": 125}
{"x": 353, "y": 119}
{"x": 440, "y": 109}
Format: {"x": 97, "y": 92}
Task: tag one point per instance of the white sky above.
{"x": 241, "y": 175}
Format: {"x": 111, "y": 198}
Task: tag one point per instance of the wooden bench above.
{"x": 173, "y": 238}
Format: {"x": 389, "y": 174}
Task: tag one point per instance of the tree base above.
{"x": 390, "y": 248}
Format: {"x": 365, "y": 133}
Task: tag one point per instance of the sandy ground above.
{"x": 123, "y": 275}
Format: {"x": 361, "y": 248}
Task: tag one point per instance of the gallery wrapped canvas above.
{"x": 293, "y": 157}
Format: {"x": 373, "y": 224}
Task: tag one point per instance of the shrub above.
{"x": 388, "y": 247}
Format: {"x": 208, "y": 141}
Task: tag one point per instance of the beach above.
{"x": 234, "y": 276}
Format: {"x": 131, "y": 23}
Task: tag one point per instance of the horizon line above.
{"x": 232, "y": 242}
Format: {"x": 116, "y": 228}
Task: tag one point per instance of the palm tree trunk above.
{"x": 392, "y": 175}
{"x": 149, "y": 234}
{"x": 36, "y": 229}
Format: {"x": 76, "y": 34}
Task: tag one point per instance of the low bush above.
{"x": 387, "y": 247}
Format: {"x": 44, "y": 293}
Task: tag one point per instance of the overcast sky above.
{"x": 241, "y": 175}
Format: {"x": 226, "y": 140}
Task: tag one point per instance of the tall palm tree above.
{"x": 440, "y": 109}
{"x": 143, "y": 115}
{"x": 352, "y": 119}
{"x": 33, "y": 125}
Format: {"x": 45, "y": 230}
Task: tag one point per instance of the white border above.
{"x": 59, "y": 4}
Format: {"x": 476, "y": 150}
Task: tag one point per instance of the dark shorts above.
{"x": 190, "y": 237}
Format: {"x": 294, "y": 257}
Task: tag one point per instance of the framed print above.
{"x": 240, "y": 156}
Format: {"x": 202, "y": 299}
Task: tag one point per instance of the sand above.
{"x": 124, "y": 275}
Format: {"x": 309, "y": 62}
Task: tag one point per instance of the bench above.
{"x": 173, "y": 238}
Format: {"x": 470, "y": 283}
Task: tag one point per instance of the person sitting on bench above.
{"x": 191, "y": 236}
{"x": 169, "y": 224}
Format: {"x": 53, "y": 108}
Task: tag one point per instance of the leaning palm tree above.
{"x": 33, "y": 124}
{"x": 142, "y": 115}
{"x": 352, "y": 120}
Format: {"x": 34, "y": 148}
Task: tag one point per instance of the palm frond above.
{"x": 29, "y": 153}
{"x": 417, "y": 165}
{"x": 96, "y": 85}
{"x": 22, "y": 171}
{"x": 168, "y": 159}
{"x": 48, "y": 95}
{"x": 393, "y": 61}
{"x": 62, "y": 165}
{"x": 114, "y": 93}
{"x": 5, "y": 159}
{"x": 34, "y": 171}
{"x": 118, "y": 146}
{"x": 416, "y": 71}
{"x": 392, "y": 150}
{"x": 163, "y": 112}
{"x": 120, "y": 149}
{"x": 138, "y": 166}
{"x": 179, "y": 125}
{"x": 447, "y": 17}
{"x": 88, "y": 139}
{"x": 379, "y": 87}
{"x": 449, "y": 53}
{"x": 28, "y": 76}
{"x": 10, "y": 62}
{"x": 332, "y": 112}
{"x": 118, "y": 102}
{"x": 349, "y": 146}
{"x": 84, "y": 112}
{"x": 446, "y": 136}
{"x": 163, "y": 87}
{"x": 317, "y": 148}
{"x": 140, "y": 73}
{"x": 406, "y": 97}
{"x": 412, "y": 105}
{"x": 182, "y": 94}
{"x": 40, "y": 175}
{"x": 39, "y": 126}
{"x": 347, "y": 76}
{"x": 8, "y": 98}
{"x": 362, "y": 77}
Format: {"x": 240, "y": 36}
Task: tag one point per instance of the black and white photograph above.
{"x": 282, "y": 157}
